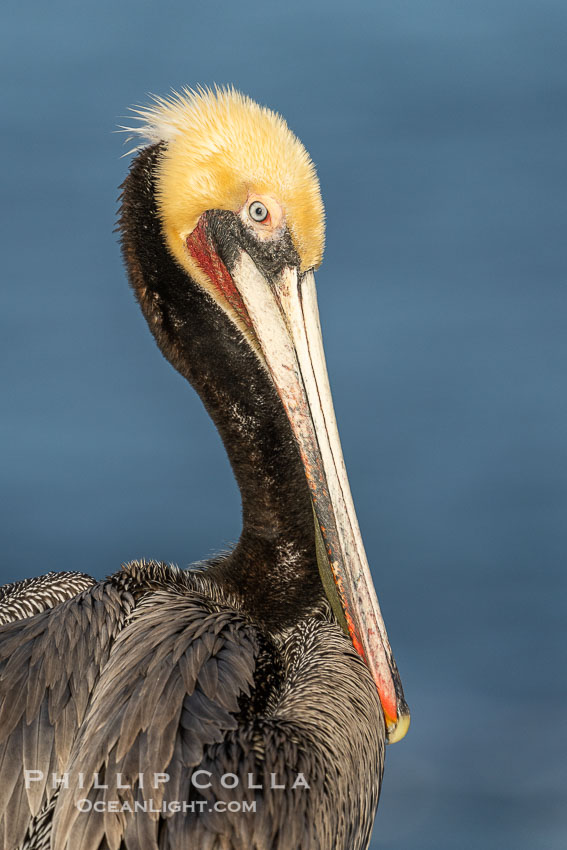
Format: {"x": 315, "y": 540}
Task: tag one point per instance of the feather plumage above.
{"x": 237, "y": 667}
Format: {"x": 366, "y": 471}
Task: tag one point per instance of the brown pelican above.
{"x": 160, "y": 707}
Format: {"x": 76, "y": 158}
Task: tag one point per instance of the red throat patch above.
{"x": 201, "y": 249}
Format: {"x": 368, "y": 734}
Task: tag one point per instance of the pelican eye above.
{"x": 257, "y": 211}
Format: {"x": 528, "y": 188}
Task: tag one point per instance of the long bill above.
{"x": 285, "y": 319}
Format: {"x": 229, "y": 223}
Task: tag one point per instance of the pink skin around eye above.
{"x": 272, "y": 225}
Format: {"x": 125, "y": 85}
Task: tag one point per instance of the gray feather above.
{"x": 148, "y": 673}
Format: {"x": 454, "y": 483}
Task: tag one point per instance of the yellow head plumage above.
{"x": 221, "y": 146}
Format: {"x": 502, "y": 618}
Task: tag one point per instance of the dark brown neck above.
{"x": 273, "y": 567}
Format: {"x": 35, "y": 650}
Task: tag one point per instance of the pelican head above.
{"x": 241, "y": 213}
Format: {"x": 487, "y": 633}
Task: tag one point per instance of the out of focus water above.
{"x": 439, "y": 133}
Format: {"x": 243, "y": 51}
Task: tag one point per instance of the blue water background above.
{"x": 438, "y": 129}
